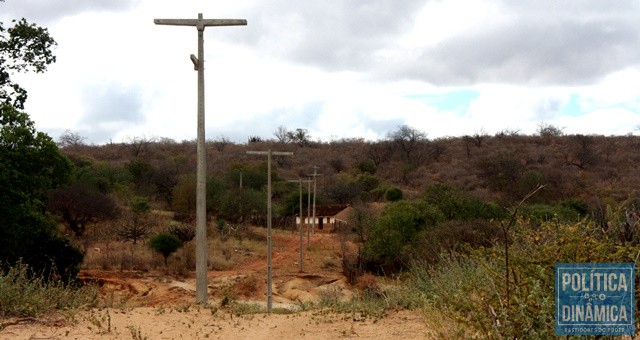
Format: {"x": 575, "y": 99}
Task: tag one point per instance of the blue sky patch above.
{"x": 572, "y": 108}
{"x": 450, "y": 101}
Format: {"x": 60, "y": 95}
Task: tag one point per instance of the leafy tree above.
{"x": 24, "y": 47}
{"x": 139, "y": 205}
{"x": 79, "y": 206}
{"x": 165, "y": 244}
{"x": 184, "y": 194}
{"x": 247, "y": 176}
{"x": 103, "y": 176}
{"x": 393, "y": 194}
{"x": 239, "y": 205}
{"x": 368, "y": 181}
{"x": 291, "y": 201}
{"x": 343, "y": 189}
{"x": 141, "y": 174}
{"x": 30, "y": 166}
{"x": 300, "y": 137}
{"x": 459, "y": 205}
{"x": 366, "y": 166}
{"x": 392, "y": 236}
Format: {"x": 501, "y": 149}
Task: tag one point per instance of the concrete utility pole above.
{"x": 309, "y": 211}
{"x": 269, "y": 275}
{"x": 201, "y": 218}
{"x": 315, "y": 174}
{"x": 301, "y": 265}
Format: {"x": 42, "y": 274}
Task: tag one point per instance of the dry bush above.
{"x": 228, "y": 253}
{"x": 368, "y": 284}
{"x": 352, "y": 267}
{"x": 118, "y": 255}
{"x": 184, "y": 260}
{"x": 245, "y": 286}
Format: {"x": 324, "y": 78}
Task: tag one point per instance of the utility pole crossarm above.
{"x": 274, "y": 153}
{"x": 201, "y": 22}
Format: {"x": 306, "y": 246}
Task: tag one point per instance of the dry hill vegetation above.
{"x": 500, "y": 168}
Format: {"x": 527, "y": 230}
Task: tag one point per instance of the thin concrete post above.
{"x": 302, "y": 223}
{"x": 315, "y": 175}
{"x": 269, "y": 266}
{"x": 308, "y": 212}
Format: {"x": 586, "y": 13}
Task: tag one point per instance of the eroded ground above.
{"x": 158, "y": 305}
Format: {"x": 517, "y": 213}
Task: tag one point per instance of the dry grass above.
{"x": 25, "y": 294}
{"x": 224, "y": 254}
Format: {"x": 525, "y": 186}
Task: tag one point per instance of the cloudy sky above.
{"x": 340, "y": 69}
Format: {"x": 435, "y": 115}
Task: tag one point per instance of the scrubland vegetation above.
{"x": 467, "y": 227}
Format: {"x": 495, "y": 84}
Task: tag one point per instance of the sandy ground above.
{"x": 200, "y": 323}
{"x": 148, "y": 305}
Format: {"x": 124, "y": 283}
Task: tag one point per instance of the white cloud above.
{"x": 340, "y": 71}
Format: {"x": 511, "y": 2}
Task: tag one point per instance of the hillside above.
{"x": 501, "y": 168}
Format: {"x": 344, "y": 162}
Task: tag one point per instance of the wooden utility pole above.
{"x": 269, "y": 274}
{"x": 301, "y": 265}
{"x": 201, "y": 213}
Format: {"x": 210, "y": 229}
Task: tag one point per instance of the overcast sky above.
{"x": 340, "y": 69}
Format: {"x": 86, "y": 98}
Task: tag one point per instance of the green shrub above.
{"x": 393, "y": 194}
{"x": 580, "y": 206}
{"x": 165, "y": 244}
{"x": 366, "y": 167}
{"x": 184, "y": 233}
{"x": 368, "y": 181}
{"x": 140, "y": 205}
{"x": 472, "y": 287}
{"x": 538, "y": 213}
{"x": 458, "y": 205}
{"x": 392, "y": 235}
{"x": 454, "y": 236}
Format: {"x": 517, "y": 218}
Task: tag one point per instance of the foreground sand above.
{"x": 203, "y": 323}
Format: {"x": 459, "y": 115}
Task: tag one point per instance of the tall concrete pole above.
{"x": 269, "y": 240}
{"x": 313, "y": 230}
{"x": 301, "y": 265}
{"x": 315, "y": 175}
{"x": 201, "y": 175}
{"x": 308, "y": 213}
{"x": 301, "y": 243}
{"x": 269, "y": 247}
